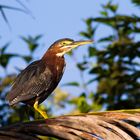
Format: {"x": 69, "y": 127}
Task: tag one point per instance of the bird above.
{"x": 39, "y": 79}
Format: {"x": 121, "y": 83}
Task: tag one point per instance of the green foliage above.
{"x": 81, "y": 103}
{"x": 109, "y": 7}
{"x": 115, "y": 68}
{"x": 22, "y": 8}
{"x": 72, "y": 84}
{"x": 136, "y": 2}
{"x": 90, "y": 30}
{"x": 7, "y": 114}
{"x": 32, "y": 42}
{"x": 4, "y": 59}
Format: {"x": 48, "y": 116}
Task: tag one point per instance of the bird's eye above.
{"x": 64, "y": 43}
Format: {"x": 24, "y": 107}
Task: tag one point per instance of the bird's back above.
{"x": 29, "y": 83}
{"x": 36, "y": 81}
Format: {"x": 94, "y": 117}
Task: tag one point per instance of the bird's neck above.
{"x": 55, "y": 63}
{"x": 52, "y": 56}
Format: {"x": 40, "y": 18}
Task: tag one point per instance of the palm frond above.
{"x": 93, "y": 126}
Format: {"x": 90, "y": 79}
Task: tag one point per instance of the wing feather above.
{"x": 31, "y": 82}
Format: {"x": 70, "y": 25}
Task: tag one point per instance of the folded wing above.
{"x": 30, "y": 83}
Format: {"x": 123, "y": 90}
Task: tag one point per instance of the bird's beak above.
{"x": 73, "y": 45}
{"x": 80, "y": 43}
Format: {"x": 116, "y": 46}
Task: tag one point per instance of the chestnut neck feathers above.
{"x": 55, "y": 63}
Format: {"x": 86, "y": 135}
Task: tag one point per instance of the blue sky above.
{"x": 54, "y": 19}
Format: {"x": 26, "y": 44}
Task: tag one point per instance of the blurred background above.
{"x": 102, "y": 76}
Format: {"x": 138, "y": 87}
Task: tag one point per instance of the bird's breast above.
{"x": 57, "y": 67}
{"x": 60, "y": 67}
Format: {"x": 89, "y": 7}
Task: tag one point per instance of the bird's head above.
{"x": 63, "y": 46}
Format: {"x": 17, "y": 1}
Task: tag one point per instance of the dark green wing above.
{"x": 30, "y": 83}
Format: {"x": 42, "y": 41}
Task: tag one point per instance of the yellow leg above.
{"x": 43, "y": 113}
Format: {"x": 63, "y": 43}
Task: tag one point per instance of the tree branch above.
{"x": 92, "y": 126}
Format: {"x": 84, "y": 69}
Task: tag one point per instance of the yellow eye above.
{"x": 64, "y": 43}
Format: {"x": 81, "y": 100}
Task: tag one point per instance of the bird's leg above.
{"x": 43, "y": 113}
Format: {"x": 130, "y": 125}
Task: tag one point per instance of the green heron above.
{"x": 38, "y": 80}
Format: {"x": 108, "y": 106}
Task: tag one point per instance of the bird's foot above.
{"x": 43, "y": 113}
